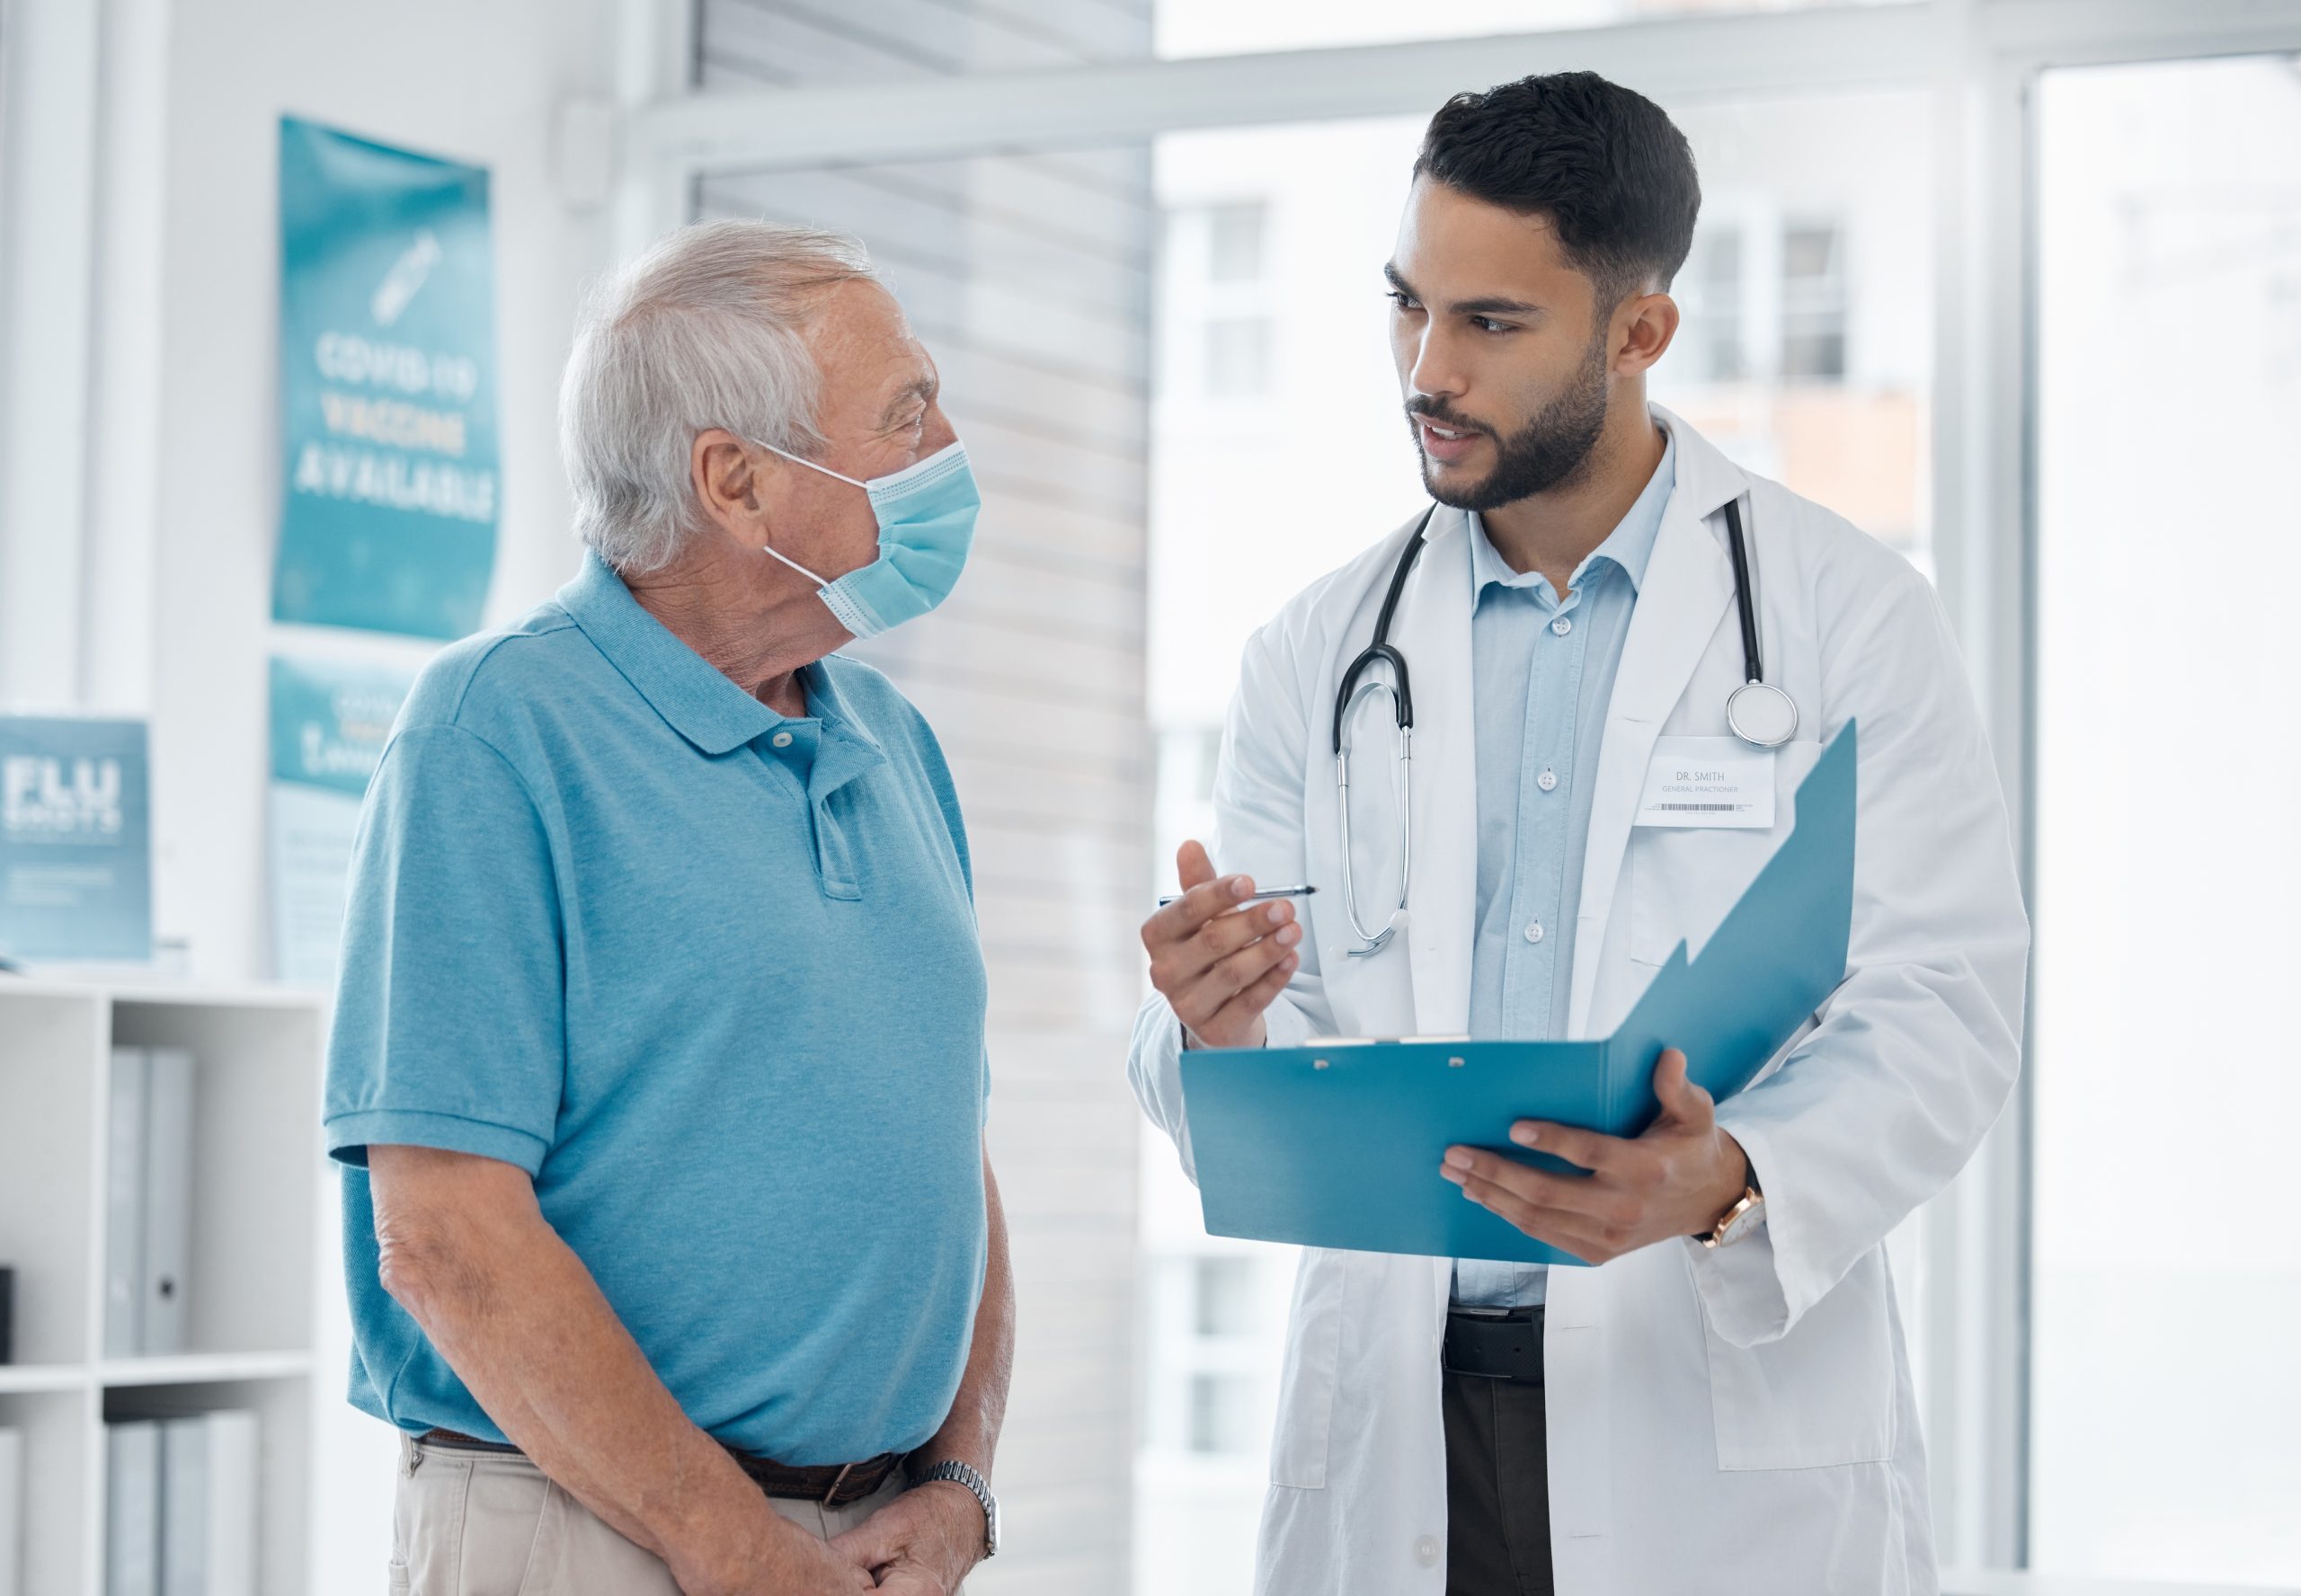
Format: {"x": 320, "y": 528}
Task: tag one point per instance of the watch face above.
{"x": 1743, "y": 1223}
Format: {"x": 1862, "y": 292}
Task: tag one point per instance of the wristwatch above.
{"x": 961, "y": 1474}
{"x": 1746, "y": 1215}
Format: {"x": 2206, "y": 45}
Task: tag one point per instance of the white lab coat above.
{"x": 1737, "y": 1422}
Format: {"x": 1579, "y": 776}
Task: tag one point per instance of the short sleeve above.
{"x": 449, "y": 1011}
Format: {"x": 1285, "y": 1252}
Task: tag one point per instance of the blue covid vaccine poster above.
{"x": 391, "y": 488}
{"x": 76, "y": 840}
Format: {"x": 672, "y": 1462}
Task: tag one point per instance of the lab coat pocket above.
{"x": 1684, "y": 880}
{"x": 1820, "y": 1396}
{"x": 1306, "y": 1388}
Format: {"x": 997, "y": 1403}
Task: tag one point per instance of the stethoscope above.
{"x": 1757, "y": 712}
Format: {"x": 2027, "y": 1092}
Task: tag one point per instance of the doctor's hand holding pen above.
{"x": 1220, "y": 953}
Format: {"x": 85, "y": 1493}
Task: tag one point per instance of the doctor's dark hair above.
{"x": 1603, "y": 164}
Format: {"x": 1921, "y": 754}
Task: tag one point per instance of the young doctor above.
{"x": 1722, "y": 1402}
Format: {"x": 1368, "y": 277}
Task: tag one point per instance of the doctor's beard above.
{"x": 1550, "y": 451}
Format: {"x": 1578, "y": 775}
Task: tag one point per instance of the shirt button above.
{"x": 1546, "y": 781}
{"x": 1534, "y": 932}
{"x": 1426, "y": 1551}
{"x": 1562, "y": 626}
{"x": 783, "y": 740}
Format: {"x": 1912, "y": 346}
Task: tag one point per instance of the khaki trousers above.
{"x": 471, "y": 1523}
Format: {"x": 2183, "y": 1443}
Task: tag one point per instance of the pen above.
{"x": 1275, "y": 892}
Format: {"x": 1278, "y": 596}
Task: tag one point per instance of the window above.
{"x": 1710, "y": 292}
{"x": 1226, "y": 1298}
{"x": 1234, "y": 244}
{"x": 2166, "y": 1399}
{"x": 1222, "y": 1414}
{"x": 1813, "y": 301}
{"x": 1216, "y": 316}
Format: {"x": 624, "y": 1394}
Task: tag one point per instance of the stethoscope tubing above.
{"x": 1754, "y": 698}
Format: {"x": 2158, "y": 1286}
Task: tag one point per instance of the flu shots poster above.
{"x": 75, "y": 840}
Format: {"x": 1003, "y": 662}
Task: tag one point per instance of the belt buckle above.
{"x": 829, "y": 1496}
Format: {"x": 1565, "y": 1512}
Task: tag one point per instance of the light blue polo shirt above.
{"x": 712, "y": 977}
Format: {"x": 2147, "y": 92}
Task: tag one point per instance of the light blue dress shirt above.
{"x": 1543, "y": 670}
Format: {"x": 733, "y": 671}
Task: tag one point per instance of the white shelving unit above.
{"x": 250, "y": 1280}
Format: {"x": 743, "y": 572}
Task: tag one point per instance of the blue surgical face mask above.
{"x": 927, "y": 515}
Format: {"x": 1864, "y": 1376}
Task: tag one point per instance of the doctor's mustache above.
{"x": 1440, "y": 411}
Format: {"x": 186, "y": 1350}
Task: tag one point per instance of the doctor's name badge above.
{"x": 1708, "y": 781}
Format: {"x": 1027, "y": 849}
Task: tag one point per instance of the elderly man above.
{"x": 658, "y": 1067}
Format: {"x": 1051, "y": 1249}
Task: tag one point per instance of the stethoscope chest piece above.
{"x": 1761, "y": 713}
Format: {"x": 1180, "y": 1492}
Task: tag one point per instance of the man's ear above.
{"x": 1643, "y": 331}
{"x": 725, "y": 477}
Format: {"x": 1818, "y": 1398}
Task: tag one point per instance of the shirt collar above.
{"x": 1629, "y": 546}
{"x": 690, "y": 693}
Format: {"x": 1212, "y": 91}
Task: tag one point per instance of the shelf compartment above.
{"x": 61, "y": 1512}
{"x": 50, "y": 1130}
{"x": 248, "y": 1279}
{"x": 283, "y": 1411}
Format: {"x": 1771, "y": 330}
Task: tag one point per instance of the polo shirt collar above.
{"x": 692, "y": 695}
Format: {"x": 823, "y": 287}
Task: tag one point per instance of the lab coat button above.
{"x": 1546, "y": 781}
{"x": 783, "y": 740}
{"x": 1562, "y": 626}
{"x": 1426, "y": 1551}
{"x": 1534, "y": 932}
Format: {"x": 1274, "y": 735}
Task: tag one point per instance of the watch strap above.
{"x": 967, "y": 1475}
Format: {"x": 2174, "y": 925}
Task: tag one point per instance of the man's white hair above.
{"x": 704, "y": 330}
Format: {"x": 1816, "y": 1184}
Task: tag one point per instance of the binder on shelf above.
{"x": 234, "y": 1489}
{"x": 208, "y": 1506}
{"x": 12, "y": 1512}
{"x": 133, "y": 1510}
{"x": 184, "y": 1506}
{"x": 131, "y": 1076}
{"x": 167, "y": 1201}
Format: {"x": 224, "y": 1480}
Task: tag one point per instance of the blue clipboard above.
{"x": 1338, "y": 1146}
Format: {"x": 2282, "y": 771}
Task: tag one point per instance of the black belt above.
{"x": 832, "y": 1485}
{"x": 1504, "y": 1346}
